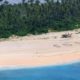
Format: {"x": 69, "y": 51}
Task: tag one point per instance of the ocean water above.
{"x": 62, "y": 72}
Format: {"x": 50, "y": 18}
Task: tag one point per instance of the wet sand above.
{"x": 37, "y": 60}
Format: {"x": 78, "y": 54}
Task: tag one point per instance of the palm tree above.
{"x": 37, "y": 2}
{"x": 23, "y": 1}
{"x": 31, "y": 1}
{"x": 6, "y": 2}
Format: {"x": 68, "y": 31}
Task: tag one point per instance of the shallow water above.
{"x": 62, "y": 72}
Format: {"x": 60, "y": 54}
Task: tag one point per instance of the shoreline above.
{"x": 35, "y": 67}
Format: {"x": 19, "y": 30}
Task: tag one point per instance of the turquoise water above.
{"x": 64, "y": 72}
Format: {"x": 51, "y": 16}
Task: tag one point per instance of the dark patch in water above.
{"x": 65, "y": 72}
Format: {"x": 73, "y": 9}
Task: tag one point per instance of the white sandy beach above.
{"x": 40, "y": 50}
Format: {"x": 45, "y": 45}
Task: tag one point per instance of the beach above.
{"x": 40, "y": 50}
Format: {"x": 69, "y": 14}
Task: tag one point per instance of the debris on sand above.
{"x": 67, "y": 35}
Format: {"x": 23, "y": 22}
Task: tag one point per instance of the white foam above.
{"x": 12, "y": 67}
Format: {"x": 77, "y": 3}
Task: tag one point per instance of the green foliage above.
{"x": 33, "y": 17}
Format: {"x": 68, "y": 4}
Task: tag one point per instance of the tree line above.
{"x": 34, "y": 17}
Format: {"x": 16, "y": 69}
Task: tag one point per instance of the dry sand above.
{"x": 40, "y": 50}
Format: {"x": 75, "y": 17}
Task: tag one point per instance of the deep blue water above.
{"x": 65, "y": 72}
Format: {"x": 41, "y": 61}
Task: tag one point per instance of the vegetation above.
{"x": 34, "y": 17}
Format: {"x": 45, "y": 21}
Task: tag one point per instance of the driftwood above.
{"x": 68, "y": 35}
